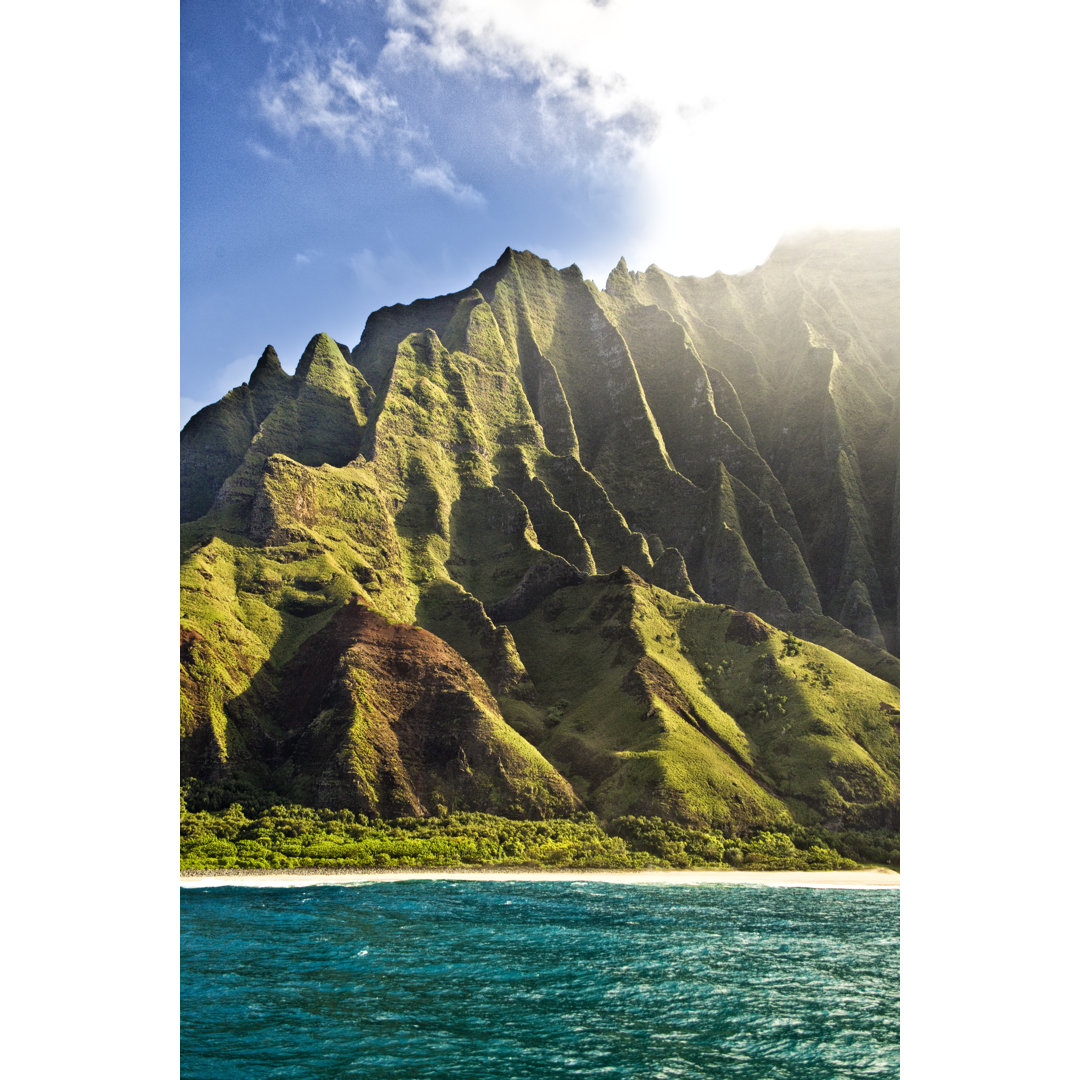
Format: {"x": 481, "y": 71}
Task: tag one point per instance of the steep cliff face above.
{"x": 484, "y": 464}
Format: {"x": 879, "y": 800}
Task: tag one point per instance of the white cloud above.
{"x": 730, "y": 121}
{"x": 737, "y": 119}
{"x": 330, "y": 97}
{"x": 261, "y": 151}
{"x": 440, "y": 177}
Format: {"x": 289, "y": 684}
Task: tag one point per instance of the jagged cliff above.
{"x": 501, "y": 554}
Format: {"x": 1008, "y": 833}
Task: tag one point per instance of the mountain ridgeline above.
{"x": 536, "y": 547}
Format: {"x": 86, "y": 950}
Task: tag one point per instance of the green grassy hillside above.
{"x": 533, "y": 549}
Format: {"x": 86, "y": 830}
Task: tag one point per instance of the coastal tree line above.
{"x": 288, "y": 836}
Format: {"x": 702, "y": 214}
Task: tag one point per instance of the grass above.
{"x": 529, "y": 419}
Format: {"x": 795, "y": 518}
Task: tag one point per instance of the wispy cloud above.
{"x": 730, "y": 114}
{"x": 729, "y": 120}
{"x": 261, "y": 151}
{"x": 328, "y": 96}
{"x": 440, "y": 177}
{"x": 332, "y": 100}
{"x": 560, "y": 52}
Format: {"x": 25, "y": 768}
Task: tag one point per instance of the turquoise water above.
{"x": 417, "y": 980}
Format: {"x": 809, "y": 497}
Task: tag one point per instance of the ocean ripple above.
{"x": 493, "y": 980}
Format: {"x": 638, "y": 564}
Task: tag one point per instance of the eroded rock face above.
{"x": 388, "y": 719}
{"x": 380, "y": 549}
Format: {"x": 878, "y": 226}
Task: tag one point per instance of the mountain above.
{"x": 535, "y": 547}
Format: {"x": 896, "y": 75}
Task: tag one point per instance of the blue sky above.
{"x": 340, "y": 155}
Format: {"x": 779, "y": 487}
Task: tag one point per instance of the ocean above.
{"x": 498, "y": 980}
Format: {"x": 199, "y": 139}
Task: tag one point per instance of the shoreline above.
{"x": 300, "y": 877}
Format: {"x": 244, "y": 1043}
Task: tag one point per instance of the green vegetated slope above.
{"x": 287, "y": 837}
{"x": 535, "y": 549}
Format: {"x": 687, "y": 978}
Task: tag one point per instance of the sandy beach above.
{"x": 836, "y": 879}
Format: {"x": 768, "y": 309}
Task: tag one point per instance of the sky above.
{"x": 342, "y": 155}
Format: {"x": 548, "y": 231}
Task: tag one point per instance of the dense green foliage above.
{"x": 283, "y": 837}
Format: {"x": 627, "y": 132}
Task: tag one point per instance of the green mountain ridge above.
{"x": 534, "y": 547}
